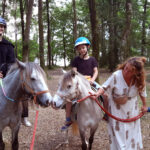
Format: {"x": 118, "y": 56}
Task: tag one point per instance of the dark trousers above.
{"x": 24, "y": 109}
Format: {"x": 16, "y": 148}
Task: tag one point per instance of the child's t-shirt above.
{"x": 85, "y": 67}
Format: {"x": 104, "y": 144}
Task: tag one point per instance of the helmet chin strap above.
{"x": 0, "y": 37}
{"x": 83, "y": 55}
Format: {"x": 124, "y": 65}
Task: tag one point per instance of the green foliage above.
{"x": 61, "y": 24}
{"x": 62, "y": 29}
{"x": 34, "y": 50}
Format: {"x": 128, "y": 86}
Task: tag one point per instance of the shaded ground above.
{"x": 48, "y": 135}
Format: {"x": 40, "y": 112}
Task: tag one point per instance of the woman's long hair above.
{"x": 138, "y": 68}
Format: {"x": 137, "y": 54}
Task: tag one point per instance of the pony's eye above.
{"x": 69, "y": 86}
{"x": 33, "y": 79}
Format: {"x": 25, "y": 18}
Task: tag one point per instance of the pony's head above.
{"x": 33, "y": 80}
{"x": 69, "y": 88}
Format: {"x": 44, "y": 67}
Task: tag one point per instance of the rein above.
{"x": 1, "y": 83}
{"x": 109, "y": 114}
{"x": 35, "y": 94}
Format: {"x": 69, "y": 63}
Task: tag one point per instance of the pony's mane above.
{"x": 28, "y": 69}
{"x": 68, "y": 76}
{"x": 31, "y": 65}
{"x": 86, "y": 82}
{"x": 13, "y": 67}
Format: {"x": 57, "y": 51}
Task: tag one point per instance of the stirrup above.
{"x": 66, "y": 126}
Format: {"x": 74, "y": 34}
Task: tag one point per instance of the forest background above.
{"x": 43, "y": 29}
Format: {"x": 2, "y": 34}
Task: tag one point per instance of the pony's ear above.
{"x": 20, "y": 64}
{"x": 63, "y": 71}
{"x": 73, "y": 73}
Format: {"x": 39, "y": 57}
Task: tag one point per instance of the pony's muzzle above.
{"x": 48, "y": 103}
{"x": 53, "y": 104}
{"x": 57, "y": 101}
{"x": 44, "y": 99}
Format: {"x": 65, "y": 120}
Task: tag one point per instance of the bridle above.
{"x": 34, "y": 94}
{"x": 67, "y": 98}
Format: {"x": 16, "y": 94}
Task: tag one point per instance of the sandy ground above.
{"x": 48, "y": 134}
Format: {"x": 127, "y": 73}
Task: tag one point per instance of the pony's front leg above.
{"x": 2, "y": 145}
{"x": 82, "y": 135}
{"x": 91, "y": 139}
{"x": 15, "y": 143}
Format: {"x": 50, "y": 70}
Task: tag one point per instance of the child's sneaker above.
{"x": 66, "y": 126}
{"x": 105, "y": 117}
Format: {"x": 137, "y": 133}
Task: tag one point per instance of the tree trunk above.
{"x": 143, "y": 44}
{"x": 64, "y": 45}
{"x": 3, "y": 8}
{"x": 22, "y": 19}
{"x": 25, "y": 55}
{"x": 125, "y": 41}
{"x": 115, "y": 38}
{"x": 74, "y": 21}
{"x": 103, "y": 59}
{"x": 48, "y": 35}
{"x": 94, "y": 28}
{"x": 16, "y": 31}
{"x": 74, "y": 26}
{"x": 111, "y": 36}
{"x": 41, "y": 38}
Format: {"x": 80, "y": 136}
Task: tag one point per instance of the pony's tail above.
{"x": 75, "y": 129}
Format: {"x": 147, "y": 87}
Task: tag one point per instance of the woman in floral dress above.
{"x": 122, "y": 89}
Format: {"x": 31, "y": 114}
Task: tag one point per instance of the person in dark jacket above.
{"x": 7, "y": 57}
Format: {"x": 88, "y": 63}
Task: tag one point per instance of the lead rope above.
{"x": 109, "y": 114}
{"x": 1, "y": 83}
{"x": 34, "y": 131}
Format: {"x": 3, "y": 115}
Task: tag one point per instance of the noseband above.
{"x": 67, "y": 97}
{"x": 34, "y": 94}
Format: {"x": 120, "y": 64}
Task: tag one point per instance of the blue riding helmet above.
{"x": 2, "y": 21}
{"x": 81, "y": 40}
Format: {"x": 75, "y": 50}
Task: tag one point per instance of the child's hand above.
{"x": 91, "y": 82}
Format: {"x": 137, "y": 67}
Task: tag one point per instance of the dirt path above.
{"x": 48, "y": 134}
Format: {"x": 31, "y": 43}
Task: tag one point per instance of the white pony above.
{"x": 22, "y": 79}
{"x": 88, "y": 114}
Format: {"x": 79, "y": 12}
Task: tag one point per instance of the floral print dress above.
{"x": 123, "y": 103}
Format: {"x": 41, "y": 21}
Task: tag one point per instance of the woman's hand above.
{"x": 1, "y": 75}
{"x": 144, "y": 109}
{"x": 98, "y": 93}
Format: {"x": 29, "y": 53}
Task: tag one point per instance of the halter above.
{"x": 66, "y": 97}
{"x": 35, "y": 94}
